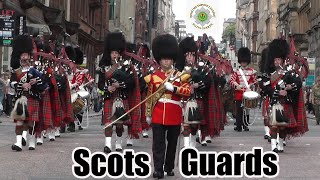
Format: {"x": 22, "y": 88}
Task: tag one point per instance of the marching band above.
{"x": 179, "y": 92}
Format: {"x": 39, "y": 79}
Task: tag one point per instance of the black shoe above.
{"x": 39, "y": 143}
{"x": 280, "y": 151}
{"x": 145, "y": 136}
{"x": 198, "y": 140}
{"x": 62, "y": 129}
{"x": 106, "y": 149}
{"x": 71, "y": 129}
{"x": 170, "y": 173}
{"x": 239, "y": 129}
{"x": 52, "y": 139}
{"x": 208, "y": 141}
{"x": 119, "y": 150}
{"x": 158, "y": 175}
{"x": 204, "y": 144}
{"x": 235, "y": 123}
{"x": 275, "y": 150}
{"x": 129, "y": 145}
{"x": 24, "y": 143}
{"x": 266, "y": 137}
{"x": 16, "y": 148}
{"x": 80, "y": 128}
{"x": 31, "y": 148}
{"x": 245, "y": 128}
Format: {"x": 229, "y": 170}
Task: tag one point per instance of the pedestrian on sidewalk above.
{"x": 316, "y": 99}
{"x": 2, "y": 93}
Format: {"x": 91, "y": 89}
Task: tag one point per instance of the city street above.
{"x": 53, "y": 160}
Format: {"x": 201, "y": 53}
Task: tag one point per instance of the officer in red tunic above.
{"x": 164, "y": 109}
{"x": 238, "y": 83}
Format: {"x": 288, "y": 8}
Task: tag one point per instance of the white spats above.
{"x": 186, "y": 141}
{"x": 108, "y": 142}
{"x": 40, "y": 140}
{"x": 32, "y": 142}
{"x": 193, "y": 140}
{"x": 118, "y": 144}
{"x": 129, "y": 142}
{"x": 280, "y": 145}
{"x": 18, "y": 145}
{"x": 51, "y": 134}
{"x": 267, "y": 130}
{"x": 274, "y": 145}
{"x": 57, "y": 132}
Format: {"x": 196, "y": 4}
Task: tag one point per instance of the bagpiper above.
{"x": 284, "y": 96}
{"x": 195, "y": 117}
{"x": 119, "y": 80}
{"x": 28, "y": 85}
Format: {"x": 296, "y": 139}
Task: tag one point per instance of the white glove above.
{"x": 149, "y": 119}
{"x": 169, "y": 86}
{"x": 73, "y": 85}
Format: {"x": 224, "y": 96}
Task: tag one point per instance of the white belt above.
{"x": 165, "y": 100}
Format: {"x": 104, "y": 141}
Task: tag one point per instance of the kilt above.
{"x": 288, "y": 113}
{"x": 58, "y": 114}
{"x": 65, "y": 98}
{"x": 107, "y": 110}
{"x": 33, "y": 109}
{"x": 46, "y": 111}
{"x": 201, "y": 107}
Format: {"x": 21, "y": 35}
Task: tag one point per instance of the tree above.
{"x": 229, "y": 34}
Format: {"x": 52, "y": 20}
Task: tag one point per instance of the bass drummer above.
{"x": 80, "y": 77}
{"x": 238, "y": 83}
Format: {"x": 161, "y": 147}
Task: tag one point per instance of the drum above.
{"x": 250, "y": 99}
{"x": 83, "y": 93}
{"x": 78, "y": 105}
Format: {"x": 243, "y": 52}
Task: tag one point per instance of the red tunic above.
{"x": 236, "y": 79}
{"x": 170, "y": 112}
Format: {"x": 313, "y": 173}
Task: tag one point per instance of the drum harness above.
{"x": 246, "y": 111}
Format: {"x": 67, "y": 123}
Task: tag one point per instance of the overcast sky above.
{"x": 224, "y": 9}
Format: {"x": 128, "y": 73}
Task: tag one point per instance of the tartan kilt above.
{"x": 201, "y": 105}
{"x": 288, "y": 113}
{"x": 212, "y": 113}
{"x": 301, "y": 117}
{"x": 264, "y": 109}
{"x": 58, "y": 114}
{"x": 33, "y": 110}
{"x": 65, "y": 98}
{"x": 107, "y": 111}
{"x": 46, "y": 113}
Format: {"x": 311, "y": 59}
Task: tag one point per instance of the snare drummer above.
{"x": 80, "y": 77}
{"x": 237, "y": 82}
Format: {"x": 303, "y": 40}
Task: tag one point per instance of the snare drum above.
{"x": 250, "y": 99}
{"x": 83, "y": 93}
{"x": 78, "y": 105}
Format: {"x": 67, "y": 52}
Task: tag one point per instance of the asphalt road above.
{"x": 52, "y": 160}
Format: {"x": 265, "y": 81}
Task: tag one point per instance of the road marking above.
{"x": 241, "y": 144}
{"x": 308, "y": 144}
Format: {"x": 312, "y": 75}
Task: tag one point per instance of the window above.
{"x": 112, "y": 9}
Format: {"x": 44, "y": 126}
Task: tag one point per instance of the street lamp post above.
{"x": 132, "y": 28}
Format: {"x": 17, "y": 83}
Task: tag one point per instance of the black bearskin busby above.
{"x": 186, "y": 45}
{"x": 165, "y": 46}
{"x": 263, "y": 60}
{"x": 244, "y": 55}
{"x": 278, "y": 48}
{"x": 113, "y": 42}
{"x": 71, "y": 53}
{"x": 79, "y": 56}
{"x": 21, "y": 44}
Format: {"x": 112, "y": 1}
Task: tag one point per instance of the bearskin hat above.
{"x": 79, "y": 56}
{"x": 113, "y": 42}
{"x": 263, "y": 60}
{"x": 21, "y": 44}
{"x": 278, "y": 48}
{"x": 186, "y": 45}
{"x": 165, "y": 46}
{"x": 130, "y": 47}
{"x": 244, "y": 55}
{"x": 71, "y": 53}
